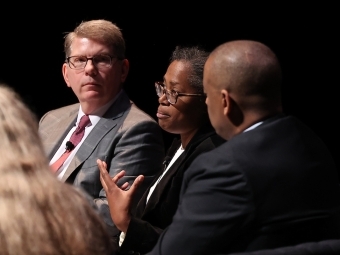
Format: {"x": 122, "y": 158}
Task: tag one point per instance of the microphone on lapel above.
{"x": 69, "y": 146}
{"x": 166, "y": 162}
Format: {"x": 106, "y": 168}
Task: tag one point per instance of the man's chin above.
{"x": 92, "y": 96}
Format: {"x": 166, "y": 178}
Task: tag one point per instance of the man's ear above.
{"x": 125, "y": 69}
{"x": 225, "y": 102}
{"x": 65, "y": 74}
{"x": 232, "y": 109}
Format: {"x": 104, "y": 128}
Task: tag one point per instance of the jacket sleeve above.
{"x": 141, "y": 236}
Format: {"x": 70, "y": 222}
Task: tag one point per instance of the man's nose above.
{"x": 90, "y": 67}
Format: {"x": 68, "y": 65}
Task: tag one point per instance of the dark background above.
{"x": 303, "y": 37}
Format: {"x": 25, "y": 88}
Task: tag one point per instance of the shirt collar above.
{"x": 253, "y": 126}
{"x": 95, "y": 116}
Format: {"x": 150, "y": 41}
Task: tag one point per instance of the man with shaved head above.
{"x": 273, "y": 184}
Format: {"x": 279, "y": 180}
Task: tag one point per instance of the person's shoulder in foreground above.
{"x": 273, "y": 184}
{"x": 119, "y": 133}
{"x": 38, "y": 215}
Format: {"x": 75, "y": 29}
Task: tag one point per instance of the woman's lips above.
{"x": 161, "y": 115}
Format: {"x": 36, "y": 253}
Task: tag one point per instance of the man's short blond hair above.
{"x": 102, "y": 31}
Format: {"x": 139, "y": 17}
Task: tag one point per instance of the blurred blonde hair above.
{"x": 38, "y": 213}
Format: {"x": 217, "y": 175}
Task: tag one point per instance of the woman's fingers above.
{"x": 105, "y": 179}
{"x": 118, "y": 176}
{"x": 136, "y": 183}
{"x": 104, "y": 175}
{"x": 124, "y": 186}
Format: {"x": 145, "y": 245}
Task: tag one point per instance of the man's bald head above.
{"x": 242, "y": 80}
{"x": 249, "y": 70}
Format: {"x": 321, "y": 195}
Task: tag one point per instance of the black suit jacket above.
{"x": 325, "y": 247}
{"x": 273, "y": 186}
{"x": 151, "y": 218}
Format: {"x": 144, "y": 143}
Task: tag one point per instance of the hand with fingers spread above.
{"x": 119, "y": 198}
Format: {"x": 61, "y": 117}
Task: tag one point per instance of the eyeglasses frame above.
{"x": 87, "y": 59}
{"x": 177, "y": 94}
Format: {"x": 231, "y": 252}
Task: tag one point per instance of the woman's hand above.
{"x": 118, "y": 198}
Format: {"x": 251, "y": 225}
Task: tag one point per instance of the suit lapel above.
{"x": 158, "y": 191}
{"x": 54, "y": 133}
{"x": 111, "y": 119}
{"x": 204, "y": 132}
{"x": 142, "y": 202}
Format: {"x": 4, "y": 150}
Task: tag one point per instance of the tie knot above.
{"x": 84, "y": 121}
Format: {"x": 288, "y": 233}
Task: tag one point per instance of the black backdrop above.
{"x": 303, "y": 38}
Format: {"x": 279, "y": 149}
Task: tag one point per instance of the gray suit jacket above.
{"x": 126, "y": 138}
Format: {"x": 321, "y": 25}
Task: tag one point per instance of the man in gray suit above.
{"x": 117, "y": 131}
